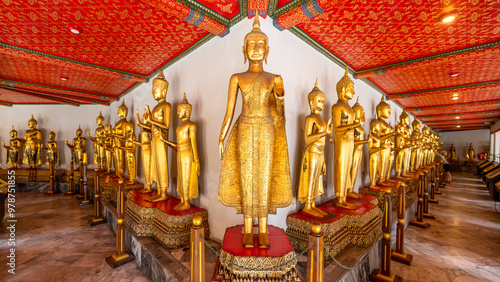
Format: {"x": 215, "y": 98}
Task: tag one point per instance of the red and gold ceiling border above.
{"x": 296, "y": 12}
{"x": 454, "y": 106}
{"x": 487, "y": 114}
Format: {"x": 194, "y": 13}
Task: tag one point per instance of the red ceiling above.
{"x": 124, "y": 42}
{"x": 368, "y": 34}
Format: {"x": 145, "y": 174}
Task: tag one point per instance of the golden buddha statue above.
{"x": 399, "y": 148}
{"x": 404, "y": 120}
{"x": 343, "y": 139}
{"x": 385, "y": 132}
{"x": 374, "y": 149}
{"x": 470, "y": 153}
{"x": 98, "y": 142}
{"x": 255, "y": 173}
{"x": 32, "y": 144}
{"x": 145, "y": 152}
{"x": 425, "y": 145}
{"x": 416, "y": 135}
{"x": 359, "y": 141}
{"x": 313, "y": 164}
{"x": 108, "y": 147}
{"x": 188, "y": 164}
{"x": 130, "y": 162}
{"x": 78, "y": 147}
{"x": 14, "y": 149}
{"x": 119, "y": 134}
{"x": 52, "y": 152}
{"x": 158, "y": 123}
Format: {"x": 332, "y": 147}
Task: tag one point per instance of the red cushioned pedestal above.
{"x": 160, "y": 220}
{"x": 341, "y": 228}
{"x": 237, "y": 262}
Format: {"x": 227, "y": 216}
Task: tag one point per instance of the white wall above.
{"x": 462, "y": 139}
{"x": 204, "y": 76}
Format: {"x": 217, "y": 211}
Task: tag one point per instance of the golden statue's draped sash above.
{"x": 279, "y": 192}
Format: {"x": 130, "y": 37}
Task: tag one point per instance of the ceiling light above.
{"x": 456, "y": 110}
{"x": 75, "y": 30}
{"x": 64, "y": 78}
{"x": 458, "y": 125}
{"x": 448, "y": 17}
{"x": 457, "y": 117}
{"x": 453, "y": 74}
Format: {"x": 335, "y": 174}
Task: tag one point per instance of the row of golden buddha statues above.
{"x": 255, "y": 174}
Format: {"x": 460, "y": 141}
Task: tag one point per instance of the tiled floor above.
{"x": 55, "y": 243}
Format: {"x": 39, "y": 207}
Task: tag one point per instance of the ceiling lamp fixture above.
{"x": 457, "y": 117}
{"x": 64, "y": 78}
{"x": 458, "y": 125}
{"x": 75, "y": 30}
{"x": 448, "y": 17}
{"x": 453, "y": 74}
{"x": 455, "y": 96}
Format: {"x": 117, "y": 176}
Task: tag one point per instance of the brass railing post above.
{"x": 433, "y": 185}
{"x": 419, "y": 221}
{"x": 197, "y": 250}
{"x": 71, "y": 190}
{"x": 52, "y": 177}
{"x": 121, "y": 256}
{"x": 80, "y": 196}
{"x": 97, "y": 219}
{"x": 315, "y": 255}
{"x": 426, "y": 213}
{"x": 399, "y": 254}
{"x": 384, "y": 272}
{"x": 85, "y": 200}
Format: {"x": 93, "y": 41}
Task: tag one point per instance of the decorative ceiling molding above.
{"x": 261, "y": 6}
{"x": 287, "y": 17}
{"x": 496, "y": 102}
{"x": 462, "y": 114}
{"x": 42, "y": 88}
{"x": 43, "y": 57}
{"x": 444, "y": 90}
{"x": 78, "y": 98}
{"x": 5, "y": 104}
{"x": 460, "y": 121}
{"x": 405, "y": 65}
{"x": 48, "y": 97}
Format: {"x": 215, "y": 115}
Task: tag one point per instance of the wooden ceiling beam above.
{"x": 48, "y": 97}
{"x": 287, "y": 16}
{"x": 189, "y": 15}
{"x": 100, "y": 102}
{"x": 61, "y": 91}
{"x": 445, "y": 90}
{"x": 493, "y": 102}
{"x": 69, "y": 63}
{"x": 425, "y": 61}
{"x": 3, "y": 103}
{"x": 497, "y": 113}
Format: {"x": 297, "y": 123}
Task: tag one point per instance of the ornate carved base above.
{"x": 76, "y": 177}
{"x": 109, "y": 189}
{"x": 25, "y": 175}
{"x": 341, "y": 228}
{"x": 159, "y": 220}
{"x": 277, "y": 263}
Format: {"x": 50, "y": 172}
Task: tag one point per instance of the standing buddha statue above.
{"x": 188, "y": 163}
{"x": 343, "y": 139}
{"x": 385, "y": 132}
{"x": 14, "y": 149}
{"x": 470, "y": 153}
{"x": 98, "y": 142}
{"x": 359, "y": 141}
{"x": 52, "y": 152}
{"x": 119, "y": 134}
{"x": 78, "y": 147}
{"x": 313, "y": 164}
{"x": 255, "y": 173}
{"x": 32, "y": 144}
{"x": 404, "y": 120}
{"x": 417, "y": 148}
{"x": 159, "y": 120}
{"x": 145, "y": 152}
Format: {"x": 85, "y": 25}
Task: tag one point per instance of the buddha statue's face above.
{"x": 255, "y": 48}
{"x": 79, "y": 133}
{"x": 317, "y": 103}
{"x": 32, "y": 124}
{"x": 183, "y": 112}
{"x": 359, "y": 115}
{"x": 348, "y": 92}
{"x": 406, "y": 120}
{"x": 384, "y": 112}
{"x": 100, "y": 121}
{"x": 122, "y": 112}
{"x": 13, "y": 134}
{"x": 159, "y": 91}
{"x": 52, "y": 137}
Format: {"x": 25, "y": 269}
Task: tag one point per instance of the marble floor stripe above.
{"x": 463, "y": 242}
{"x": 55, "y": 243}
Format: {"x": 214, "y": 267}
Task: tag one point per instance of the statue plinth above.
{"x": 341, "y": 228}
{"x": 110, "y": 188}
{"x": 160, "y": 220}
{"x": 276, "y": 263}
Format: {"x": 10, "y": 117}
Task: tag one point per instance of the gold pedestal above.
{"x": 116, "y": 261}
{"x": 376, "y": 276}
